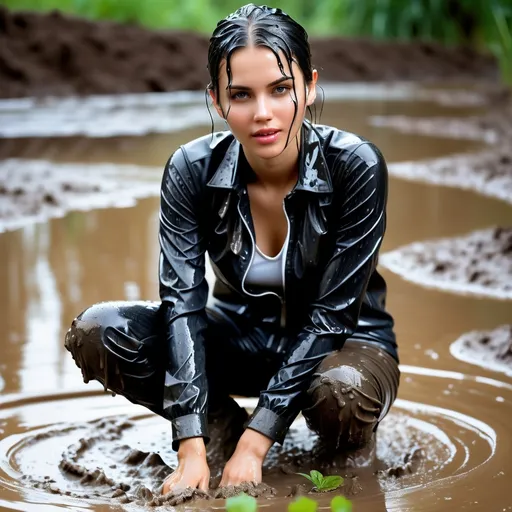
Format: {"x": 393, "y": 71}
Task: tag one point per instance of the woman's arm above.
{"x": 359, "y": 229}
{"x": 184, "y": 292}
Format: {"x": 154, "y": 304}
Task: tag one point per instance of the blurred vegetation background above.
{"x": 483, "y": 24}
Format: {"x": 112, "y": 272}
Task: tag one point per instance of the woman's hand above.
{"x": 246, "y": 463}
{"x": 192, "y": 470}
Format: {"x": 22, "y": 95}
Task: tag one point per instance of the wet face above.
{"x": 261, "y": 104}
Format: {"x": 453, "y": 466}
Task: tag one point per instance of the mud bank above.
{"x": 489, "y": 349}
{"x": 54, "y": 54}
{"x": 35, "y": 190}
{"x": 488, "y": 172}
{"x": 479, "y": 263}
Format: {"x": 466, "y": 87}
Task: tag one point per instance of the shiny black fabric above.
{"x": 332, "y": 290}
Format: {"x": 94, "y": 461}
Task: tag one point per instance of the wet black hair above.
{"x": 259, "y": 26}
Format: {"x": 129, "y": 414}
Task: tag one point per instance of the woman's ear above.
{"x": 216, "y": 104}
{"x": 311, "y": 88}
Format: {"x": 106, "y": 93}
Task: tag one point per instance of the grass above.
{"x": 484, "y": 24}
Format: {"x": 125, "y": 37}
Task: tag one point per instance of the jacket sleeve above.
{"x": 184, "y": 292}
{"x": 359, "y": 222}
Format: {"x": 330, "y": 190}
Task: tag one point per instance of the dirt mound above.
{"x": 53, "y": 54}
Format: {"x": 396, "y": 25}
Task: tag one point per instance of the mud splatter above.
{"x": 489, "y": 349}
{"x": 479, "y": 263}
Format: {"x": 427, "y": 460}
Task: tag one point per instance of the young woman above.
{"x": 291, "y": 215}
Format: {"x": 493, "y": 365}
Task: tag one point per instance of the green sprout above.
{"x": 323, "y": 483}
{"x": 241, "y": 503}
{"x": 341, "y": 504}
{"x": 303, "y": 504}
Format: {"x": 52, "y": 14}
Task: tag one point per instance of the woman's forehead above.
{"x": 257, "y": 64}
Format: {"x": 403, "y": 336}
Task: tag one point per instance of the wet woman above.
{"x": 292, "y": 216}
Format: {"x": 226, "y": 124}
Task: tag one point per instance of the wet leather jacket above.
{"x": 332, "y": 290}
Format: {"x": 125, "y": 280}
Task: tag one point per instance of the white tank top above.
{"x": 267, "y": 272}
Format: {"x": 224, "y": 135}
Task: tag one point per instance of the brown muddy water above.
{"x": 444, "y": 446}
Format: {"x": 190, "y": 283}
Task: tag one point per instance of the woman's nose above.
{"x": 263, "y": 110}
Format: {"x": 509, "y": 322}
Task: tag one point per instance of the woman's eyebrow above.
{"x": 271, "y": 84}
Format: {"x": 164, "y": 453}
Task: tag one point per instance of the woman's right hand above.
{"x": 192, "y": 470}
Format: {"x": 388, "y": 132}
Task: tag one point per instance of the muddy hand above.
{"x": 192, "y": 470}
{"x": 246, "y": 463}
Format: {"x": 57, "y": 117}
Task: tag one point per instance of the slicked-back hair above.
{"x": 253, "y": 25}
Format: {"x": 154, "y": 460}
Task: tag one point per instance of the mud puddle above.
{"x": 444, "y": 446}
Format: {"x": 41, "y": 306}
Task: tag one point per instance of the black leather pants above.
{"x": 120, "y": 344}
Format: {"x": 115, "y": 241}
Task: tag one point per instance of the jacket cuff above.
{"x": 185, "y": 427}
{"x": 268, "y": 423}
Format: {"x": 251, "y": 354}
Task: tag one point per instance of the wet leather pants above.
{"x": 120, "y": 344}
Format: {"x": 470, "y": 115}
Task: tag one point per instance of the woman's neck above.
{"x": 278, "y": 172}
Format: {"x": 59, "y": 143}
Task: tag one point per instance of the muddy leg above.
{"x": 116, "y": 343}
{"x": 350, "y": 393}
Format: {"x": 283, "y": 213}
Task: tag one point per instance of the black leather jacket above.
{"x": 336, "y": 214}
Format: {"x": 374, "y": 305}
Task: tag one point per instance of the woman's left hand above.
{"x": 246, "y": 463}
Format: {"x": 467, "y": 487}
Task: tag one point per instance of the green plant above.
{"x": 323, "y": 483}
{"x": 241, "y": 503}
{"x": 303, "y": 504}
{"x": 341, "y": 504}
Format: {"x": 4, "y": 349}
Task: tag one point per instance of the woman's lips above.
{"x": 267, "y": 136}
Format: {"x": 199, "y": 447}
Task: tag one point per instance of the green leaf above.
{"x": 341, "y": 504}
{"x": 330, "y": 483}
{"x": 316, "y": 477}
{"x": 303, "y": 504}
{"x": 242, "y": 503}
{"x": 306, "y": 476}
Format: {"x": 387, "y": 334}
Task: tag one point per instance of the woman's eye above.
{"x": 239, "y": 96}
{"x": 281, "y": 89}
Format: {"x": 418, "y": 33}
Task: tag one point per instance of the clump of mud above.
{"x": 38, "y": 189}
{"x": 53, "y": 54}
{"x": 479, "y": 263}
{"x": 489, "y": 349}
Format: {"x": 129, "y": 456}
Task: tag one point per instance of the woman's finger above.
{"x": 204, "y": 483}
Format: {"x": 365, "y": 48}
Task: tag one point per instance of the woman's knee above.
{"x": 84, "y": 338}
{"x": 350, "y": 393}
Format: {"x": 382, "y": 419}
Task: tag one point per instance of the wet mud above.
{"x": 53, "y": 54}
{"x": 105, "y": 462}
{"x": 488, "y": 172}
{"x": 488, "y": 349}
{"x": 37, "y": 190}
{"x": 479, "y": 263}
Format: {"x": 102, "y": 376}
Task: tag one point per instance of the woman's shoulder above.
{"x": 199, "y": 152}
{"x": 344, "y": 146}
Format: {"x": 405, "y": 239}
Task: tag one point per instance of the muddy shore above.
{"x": 479, "y": 263}
{"x": 53, "y": 54}
{"x": 488, "y": 349}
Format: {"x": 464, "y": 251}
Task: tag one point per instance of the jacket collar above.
{"x": 314, "y": 174}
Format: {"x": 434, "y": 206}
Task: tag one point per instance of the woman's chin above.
{"x": 266, "y": 152}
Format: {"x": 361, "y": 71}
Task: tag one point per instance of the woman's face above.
{"x": 259, "y": 106}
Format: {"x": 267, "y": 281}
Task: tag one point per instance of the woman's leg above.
{"x": 120, "y": 345}
{"x": 350, "y": 393}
